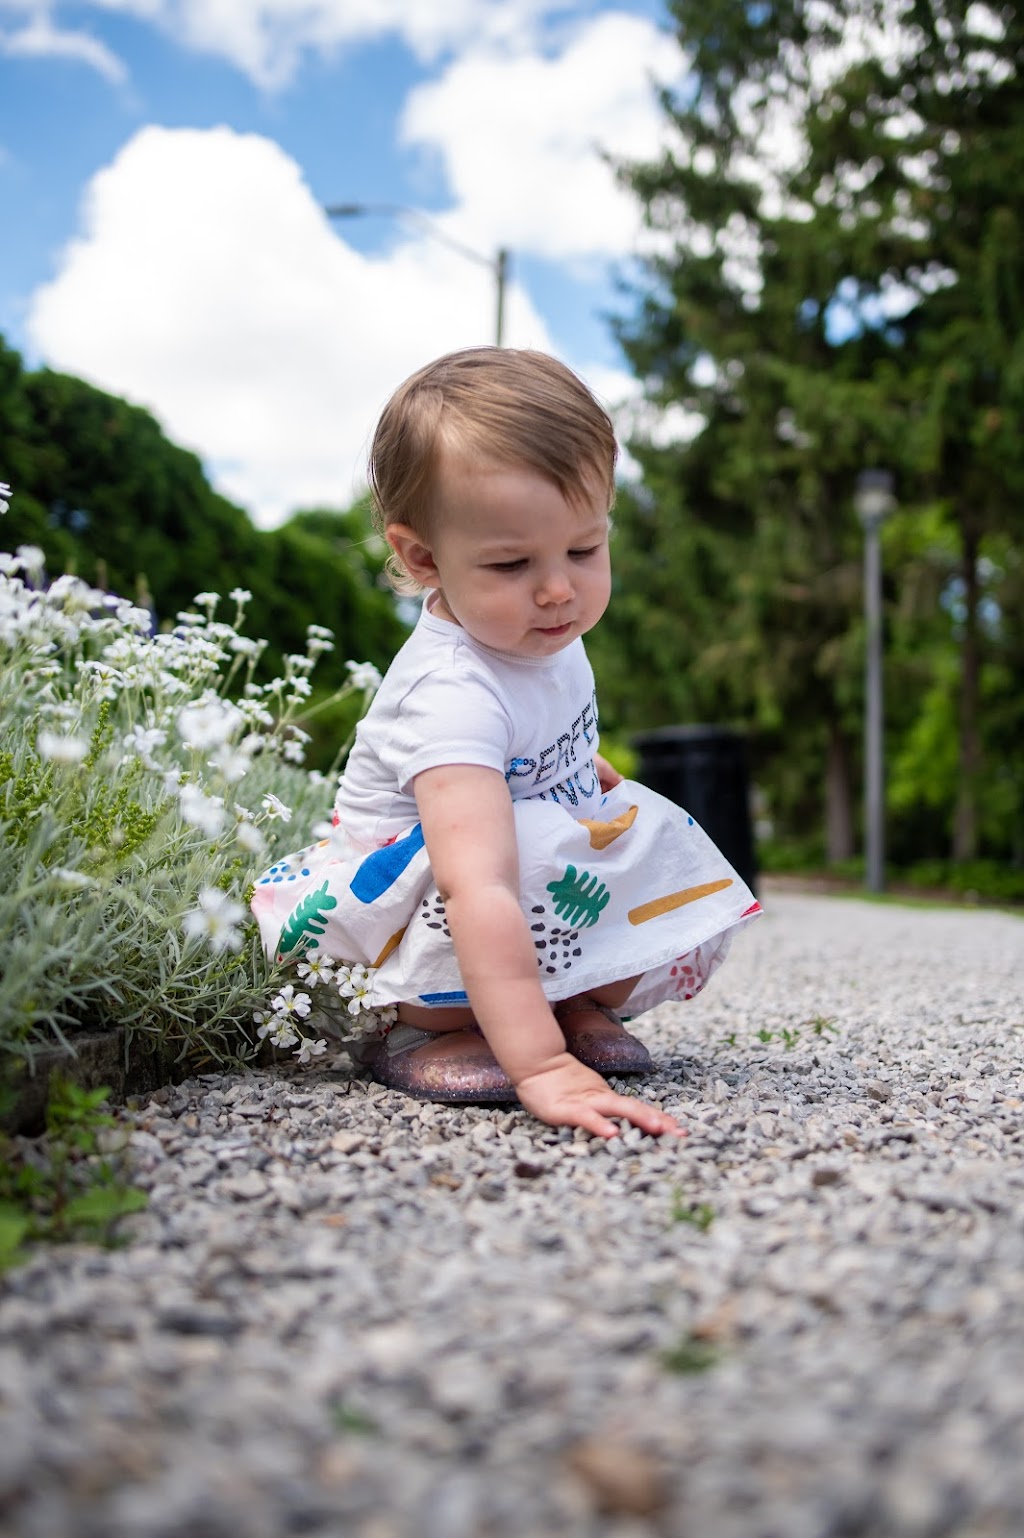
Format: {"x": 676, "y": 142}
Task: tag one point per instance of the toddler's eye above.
{"x": 507, "y": 565}
{"x": 581, "y": 555}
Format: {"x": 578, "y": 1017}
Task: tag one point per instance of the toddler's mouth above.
{"x": 555, "y": 630}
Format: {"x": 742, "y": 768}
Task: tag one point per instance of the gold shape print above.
{"x": 391, "y": 945}
{"x": 604, "y": 833}
{"x": 689, "y": 894}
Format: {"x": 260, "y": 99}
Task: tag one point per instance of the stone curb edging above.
{"x": 128, "y": 1067}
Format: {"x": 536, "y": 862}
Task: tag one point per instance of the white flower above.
{"x": 295, "y": 663}
{"x": 275, "y": 807}
{"x": 77, "y": 879}
{"x": 315, "y": 968}
{"x": 283, "y": 1033}
{"x": 233, "y": 763}
{"x": 239, "y": 594}
{"x": 355, "y": 988}
{"x": 288, "y": 1002}
{"x": 61, "y": 750}
{"x": 310, "y": 1049}
{"x": 319, "y": 632}
{"x": 209, "y": 725}
{"x": 105, "y": 679}
{"x": 141, "y": 741}
{"x": 5, "y": 496}
{"x": 216, "y": 919}
{"x": 363, "y": 675}
{"x": 371, "y": 1023}
{"x": 249, "y": 837}
{"x": 293, "y": 752}
{"x": 32, "y": 560}
{"x": 203, "y": 812}
{"x": 207, "y": 601}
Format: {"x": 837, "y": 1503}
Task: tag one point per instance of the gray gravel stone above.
{"x": 344, "y": 1312}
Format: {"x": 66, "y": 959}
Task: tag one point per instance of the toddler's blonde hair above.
{"x": 495, "y": 405}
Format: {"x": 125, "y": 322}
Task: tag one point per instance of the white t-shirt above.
{"x": 448, "y": 700}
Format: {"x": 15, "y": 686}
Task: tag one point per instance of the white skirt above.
{"x": 640, "y": 891}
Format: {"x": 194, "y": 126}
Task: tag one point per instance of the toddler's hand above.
{"x": 607, "y": 776}
{"x": 565, "y": 1093}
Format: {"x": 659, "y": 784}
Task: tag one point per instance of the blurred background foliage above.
{"x": 807, "y": 315}
{"x": 838, "y": 285}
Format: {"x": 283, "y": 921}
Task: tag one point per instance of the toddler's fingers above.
{"x": 590, "y": 1119}
{"x": 647, "y": 1117}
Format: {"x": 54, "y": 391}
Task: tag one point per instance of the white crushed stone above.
{"x": 345, "y": 1312}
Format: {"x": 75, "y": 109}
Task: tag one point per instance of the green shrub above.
{"x": 144, "y": 781}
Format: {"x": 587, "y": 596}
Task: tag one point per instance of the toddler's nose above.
{"x": 555, "y": 588}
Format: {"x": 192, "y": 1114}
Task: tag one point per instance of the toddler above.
{"x": 512, "y": 891}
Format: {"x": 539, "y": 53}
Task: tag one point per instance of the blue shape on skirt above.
{"x": 382, "y": 868}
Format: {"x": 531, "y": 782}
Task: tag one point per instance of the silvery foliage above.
{"x": 145, "y": 778}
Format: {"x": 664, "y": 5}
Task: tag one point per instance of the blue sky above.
{"x": 163, "y": 167}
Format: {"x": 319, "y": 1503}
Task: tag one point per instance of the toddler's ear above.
{"x": 415, "y": 556}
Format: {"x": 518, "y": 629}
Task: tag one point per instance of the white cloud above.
{"x": 207, "y": 285}
{"x": 267, "y": 39}
{"x": 521, "y": 136}
{"x": 38, "y": 38}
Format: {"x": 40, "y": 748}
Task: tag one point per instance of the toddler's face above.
{"x": 518, "y": 567}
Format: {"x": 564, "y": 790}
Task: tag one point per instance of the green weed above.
{"x": 690, "y": 1355}
{"x": 60, "y": 1186}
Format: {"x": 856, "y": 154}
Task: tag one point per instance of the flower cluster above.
{"x": 142, "y": 777}
{"x": 342, "y": 1006}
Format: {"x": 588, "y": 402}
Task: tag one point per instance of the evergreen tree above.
{"x": 838, "y": 287}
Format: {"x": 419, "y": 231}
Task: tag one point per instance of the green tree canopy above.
{"x": 837, "y": 286}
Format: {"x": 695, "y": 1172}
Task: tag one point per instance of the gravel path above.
{"x": 346, "y": 1313}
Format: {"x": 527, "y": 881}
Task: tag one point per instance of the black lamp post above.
{"x": 497, "y": 265}
{"x": 874, "y": 502}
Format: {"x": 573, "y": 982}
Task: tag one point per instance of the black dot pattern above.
{"x": 557, "y": 945}
{"x": 433, "y": 915}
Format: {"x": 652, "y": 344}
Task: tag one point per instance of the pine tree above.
{"x": 838, "y": 286}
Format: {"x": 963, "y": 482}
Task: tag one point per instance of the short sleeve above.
{"x": 449, "y": 718}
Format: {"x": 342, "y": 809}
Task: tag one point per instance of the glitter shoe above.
{"x": 604, "y": 1045}
{"x": 449, "y": 1067}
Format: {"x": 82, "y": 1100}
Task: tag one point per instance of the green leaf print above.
{"x": 580, "y": 899}
{"x": 306, "y": 919}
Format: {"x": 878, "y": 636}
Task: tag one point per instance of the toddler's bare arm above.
{"x": 469, "y": 830}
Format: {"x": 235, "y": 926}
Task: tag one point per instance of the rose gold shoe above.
{"x": 602, "y": 1044}
{"x": 447, "y": 1066}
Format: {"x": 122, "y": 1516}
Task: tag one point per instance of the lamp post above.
{"x": 497, "y": 265}
{"x": 874, "y": 502}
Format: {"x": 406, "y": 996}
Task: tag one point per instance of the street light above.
{"x": 497, "y": 265}
{"x": 874, "y": 501}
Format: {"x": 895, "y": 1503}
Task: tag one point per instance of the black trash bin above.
{"x": 704, "y": 769}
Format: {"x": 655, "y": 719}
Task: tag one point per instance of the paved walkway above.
{"x": 345, "y": 1313}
